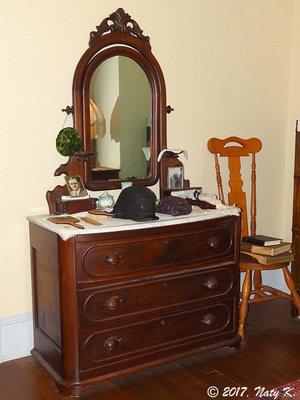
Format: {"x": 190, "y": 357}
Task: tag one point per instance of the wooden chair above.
{"x": 234, "y": 148}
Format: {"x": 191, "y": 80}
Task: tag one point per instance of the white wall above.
{"x": 289, "y": 137}
{"x": 227, "y": 70}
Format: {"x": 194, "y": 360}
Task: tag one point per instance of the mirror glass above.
{"x": 120, "y": 103}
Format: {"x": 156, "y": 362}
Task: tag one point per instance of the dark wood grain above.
{"x": 166, "y": 331}
{"x": 296, "y": 219}
{"x": 98, "y": 260}
{"x": 269, "y": 357}
{"x": 45, "y": 294}
{"x": 120, "y": 38}
{"x": 58, "y": 206}
{"x": 118, "y": 302}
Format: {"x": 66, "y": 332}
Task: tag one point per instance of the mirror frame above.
{"x": 116, "y": 35}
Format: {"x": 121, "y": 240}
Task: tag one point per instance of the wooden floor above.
{"x": 269, "y": 357}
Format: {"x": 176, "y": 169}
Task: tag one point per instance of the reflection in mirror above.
{"x": 120, "y": 120}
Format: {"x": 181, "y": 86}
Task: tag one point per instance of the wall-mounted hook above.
{"x": 68, "y": 110}
{"x": 169, "y": 109}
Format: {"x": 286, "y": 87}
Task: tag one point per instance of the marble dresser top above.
{"x": 115, "y": 224}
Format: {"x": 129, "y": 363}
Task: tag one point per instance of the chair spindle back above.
{"x": 234, "y": 148}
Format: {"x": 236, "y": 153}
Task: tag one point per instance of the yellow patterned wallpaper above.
{"x": 227, "y": 68}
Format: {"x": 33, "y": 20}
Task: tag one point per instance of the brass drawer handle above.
{"x": 213, "y": 242}
{"x": 208, "y": 319}
{"x": 112, "y": 259}
{"x": 112, "y": 343}
{"x": 113, "y": 303}
{"x": 210, "y": 283}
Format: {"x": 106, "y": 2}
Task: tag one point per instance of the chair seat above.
{"x": 247, "y": 262}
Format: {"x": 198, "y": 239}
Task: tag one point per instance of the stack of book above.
{"x": 267, "y": 249}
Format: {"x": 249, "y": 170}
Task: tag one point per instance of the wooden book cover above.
{"x": 267, "y": 260}
{"x": 268, "y": 250}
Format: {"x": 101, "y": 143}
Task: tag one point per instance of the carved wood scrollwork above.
{"x": 119, "y": 21}
{"x": 116, "y": 35}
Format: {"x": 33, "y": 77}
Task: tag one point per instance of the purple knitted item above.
{"x": 174, "y": 205}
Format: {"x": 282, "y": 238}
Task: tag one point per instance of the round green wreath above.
{"x": 68, "y": 141}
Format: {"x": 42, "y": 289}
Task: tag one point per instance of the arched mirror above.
{"x": 119, "y": 108}
{"x": 120, "y": 105}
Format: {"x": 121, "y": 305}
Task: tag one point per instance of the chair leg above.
{"x": 244, "y": 304}
{"x": 257, "y": 279}
{"x": 291, "y": 285}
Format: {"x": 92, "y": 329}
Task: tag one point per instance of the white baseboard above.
{"x": 16, "y": 336}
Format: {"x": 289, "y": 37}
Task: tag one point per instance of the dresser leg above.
{"x": 71, "y": 391}
{"x": 294, "y": 311}
{"x": 237, "y": 344}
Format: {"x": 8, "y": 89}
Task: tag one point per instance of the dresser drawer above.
{"x": 99, "y": 305}
{"x": 124, "y": 257}
{"x": 168, "y": 330}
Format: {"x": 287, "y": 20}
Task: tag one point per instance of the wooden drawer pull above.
{"x": 208, "y": 319}
{"x": 112, "y": 343}
{"x": 112, "y": 259}
{"x": 210, "y": 283}
{"x": 113, "y": 303}
{"x": 213, "y": 242}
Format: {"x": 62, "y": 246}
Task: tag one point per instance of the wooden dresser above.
{"x": 107, "y": 304}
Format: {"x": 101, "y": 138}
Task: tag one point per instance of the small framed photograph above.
{"x": 75, "y": 186}
{"x": 175, "y": 178}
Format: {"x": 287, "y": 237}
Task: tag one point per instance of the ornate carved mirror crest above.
{"x": 119, "y": 108}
